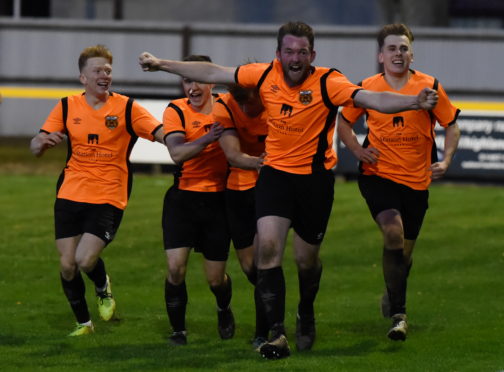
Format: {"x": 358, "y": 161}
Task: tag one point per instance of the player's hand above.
{"x": 148, "y": 62}
{"x": 52, "y": 139}
{"x": 438, "y": 170}
{"x": 260, "y": 161}
{"x": 215, "y": 132}
{"x": 368, "y": 155}
{"x": 427, "y": 99}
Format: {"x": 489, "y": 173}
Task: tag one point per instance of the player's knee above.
{"x": 176, "y": 274}
{"x": 86, "y": 263}
{"x": 68, "y": 270}
{"x": 269, "y": 253}
{"x": 393, "y": 237}
{"x": 216, "y": 280}
{"x": 306, "y": 263}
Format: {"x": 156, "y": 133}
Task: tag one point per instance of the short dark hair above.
{"x": 241, "y": 94}
{"x": 197, "y": 58}
{"x": 394, "y": 29}
{"x": 92, "y": 52}
{"x": 297, "y": 28}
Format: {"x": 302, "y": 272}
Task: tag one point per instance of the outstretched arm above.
{"x": 452, "y": 135}
{"x": 230, "y": 144}
{"x": 347, "y": 136}
{"x": 204, "y": 72}
{"x": 180, "y": 150}
{"x": 44, "y": 141}
{"x": 390, "y": 103}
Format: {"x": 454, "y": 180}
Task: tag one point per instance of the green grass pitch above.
{"x": 455, "y": 294}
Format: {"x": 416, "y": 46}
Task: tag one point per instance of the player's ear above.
{"x": 312, "y": 56}
{"x": 380, "y": 57}
{"x": 82, "y": 79}
{"x": 278, "y": 54}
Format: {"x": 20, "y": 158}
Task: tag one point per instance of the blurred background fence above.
{"x": 459, "y": 42}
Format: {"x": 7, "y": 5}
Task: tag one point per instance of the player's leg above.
{"x": 68, "y": 230}
{"x": 383, "y": 198}
{"x": 241, "y": 217}
{"x": 214, "y": 243}
{"x": 176, "y": 292}
{"x": 272, "y": 233}
{"x": 274, "y": 210}
{"x": 221, "y": 286}
{"x": 309, "y": 274}
{"x": 73, "y": 285}
{"x": 178, "y": 236}
{"x": 101, "y": 222}
{"x": 314, "y": 198}
{"x": 414, "y": 207}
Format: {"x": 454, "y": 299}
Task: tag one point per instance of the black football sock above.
{"x": 252, "y": 275}
{"x": 176, "y": 302}
{"x": 408, "y": 269}
{"x": 271, "y": 288}
{"x": 395, "y": 273}
{"x": 261, "y": 321}
{"x": 223, "y": 293}
{"x": 75, "y": 293}
{"x": 98, "y": 274}
{"x": 309, "y": 281}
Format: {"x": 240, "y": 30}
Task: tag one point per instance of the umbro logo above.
{"x": 286, "y": 109}
{"x": 77, "y": 120}
{"x": 274, "y": 88}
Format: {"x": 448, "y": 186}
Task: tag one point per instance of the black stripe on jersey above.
{"x": 64, "y": 107}
{"x": 436, "y": 84}
{"x": 178, "y": 170}
{"x": 227, "y": 109}
{"x": 133, "y": 139}
{"x": 263, "y": 76}
{"x": 179, "y": 112}
{"x": 319, "y": 157}
{"x": 156, "y": 129}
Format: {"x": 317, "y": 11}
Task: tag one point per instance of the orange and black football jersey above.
{"x": 251, "y": 134}
{"x": 207, "y": 171}
{"x": 405, "y": 140}
{"x": 99, "y": 144}
{"x": 301, "y": 119}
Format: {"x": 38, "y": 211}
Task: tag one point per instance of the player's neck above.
{"x": 95, "y": 101}
{"x": 397, "y": 81}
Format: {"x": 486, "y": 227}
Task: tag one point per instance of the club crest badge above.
{"x": 305, "y": 97}
{"x": 111, "y": 122}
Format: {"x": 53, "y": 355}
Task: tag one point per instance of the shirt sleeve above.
{"x": 340, "y": 90}
{"x": 444, "y": 112}
{"x": 221, "y": 113}
{"x": 352, "y": 113}
{"x": 144, "y": 124}
{"x": 172, "y": 121}
{"x": 54, "y": 122}
{"x": 250, "y": 74}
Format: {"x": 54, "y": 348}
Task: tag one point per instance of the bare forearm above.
{"x": 243, "y": 161}
{"x": 452, "y": 137}
{"x": 36, "y": 146}
{"x": 186, "y": 151}
{"x": 44, "y": 141}
{"x": 199, "y": 71}
{"x": 347, "y": 135}
{"x": 390, "y": 103}
{"x": 386, "y": 102}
